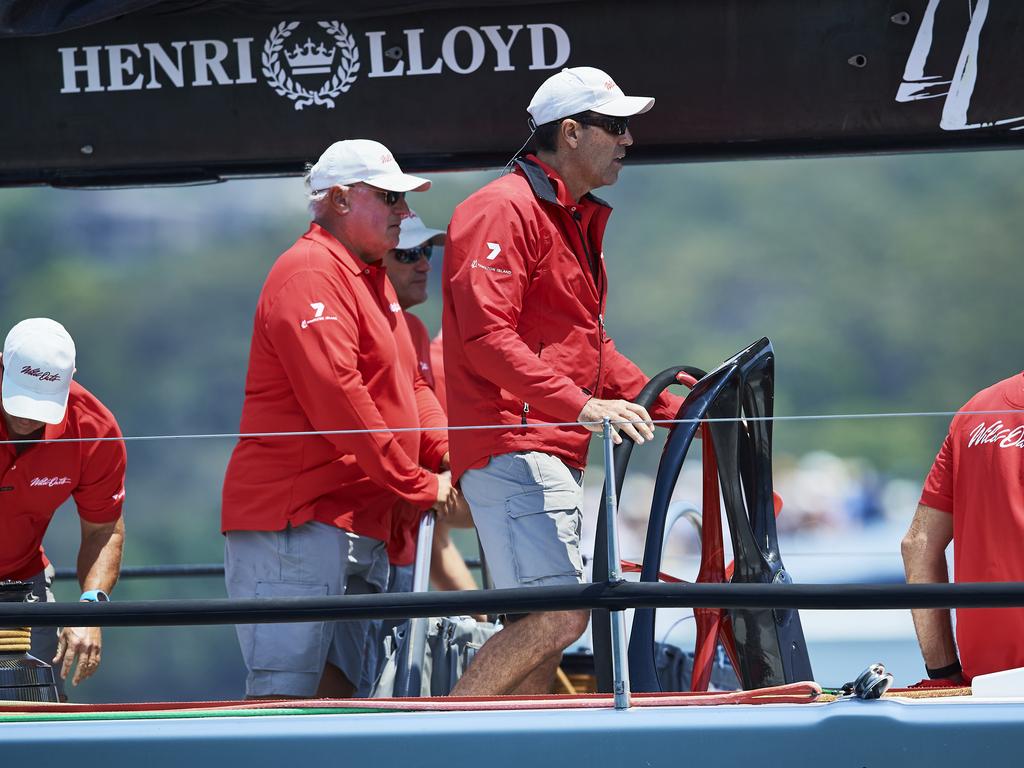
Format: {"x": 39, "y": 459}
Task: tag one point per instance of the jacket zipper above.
{"x": 595, "y": 270}
{"x": 526, "y": 406}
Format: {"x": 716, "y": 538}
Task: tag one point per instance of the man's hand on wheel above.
{"x": 634, "y": 420}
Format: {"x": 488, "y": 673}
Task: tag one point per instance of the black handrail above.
{"x": 616, "y": 597}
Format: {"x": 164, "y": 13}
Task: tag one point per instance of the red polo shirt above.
{"x": 331, "y": 351}
{"x": 40, "y": 479}
{"x": 978, "y": 477}
{"x": 405, "y": 516}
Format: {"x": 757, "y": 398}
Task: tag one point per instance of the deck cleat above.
{"x": 870, "y": 684}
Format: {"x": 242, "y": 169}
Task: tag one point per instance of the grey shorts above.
{"x": 400, "y": 580}
{"x": 527, "y": 508}
{"x": 311, "y": 560}
{"x": 44, "y": 639}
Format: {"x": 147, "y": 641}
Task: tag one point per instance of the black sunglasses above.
{"x": 390, "y": 198}
{"x": 616, "y": 126}
{"x": 412, "y": 255}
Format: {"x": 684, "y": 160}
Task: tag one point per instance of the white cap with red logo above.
{"x": 39, "y": 361}
{"x": 414, "y": 232}
{"x": 583, "y": 89}
{"x": 354, "y": 160}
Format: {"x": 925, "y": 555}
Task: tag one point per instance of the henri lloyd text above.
{"x": 311, "y": 50}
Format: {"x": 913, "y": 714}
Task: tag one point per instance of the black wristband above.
{"x": 944, "y": 673}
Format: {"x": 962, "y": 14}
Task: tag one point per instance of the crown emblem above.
{"x": 310, "y": 59}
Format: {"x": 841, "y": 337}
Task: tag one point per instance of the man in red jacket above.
{"x": 309, "y": 515}
{"x": 41, "y": 402}
{"x": 974, "y": 497}
{"x": 525, "y": 343}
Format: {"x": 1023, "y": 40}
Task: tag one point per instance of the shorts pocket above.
{"x": 298, "y": 647}
{"x": 544, "y": 534}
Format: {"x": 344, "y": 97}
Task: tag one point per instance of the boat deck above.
{"x": 507, "y": 731}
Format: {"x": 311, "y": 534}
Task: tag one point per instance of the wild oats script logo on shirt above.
{"x": 49, "y": 482}
{"x": 1006, "y": 437}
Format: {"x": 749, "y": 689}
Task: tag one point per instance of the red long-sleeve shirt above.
{"x": 331, "y": 351}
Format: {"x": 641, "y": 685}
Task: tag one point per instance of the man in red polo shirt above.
{"x": 974, "y": 497}
{"x": 309, "y": 515}
{"x": 525, "y": 342}
{"x": 408, "y": 266}
{"x": 41, "y": 402}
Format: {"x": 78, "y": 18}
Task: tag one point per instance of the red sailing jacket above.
{"x": 524, "y": 337}
{"x": 331, "y": 351}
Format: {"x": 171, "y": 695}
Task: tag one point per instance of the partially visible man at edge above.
{"x": 309, "y": 516}
{"x": 525, "y": 342}
{"x": 974, "y": 497}
{"x": 42, "y": 402}
{"x": 408, "y": 266}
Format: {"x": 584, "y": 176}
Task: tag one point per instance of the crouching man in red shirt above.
{"x": 974, "y": 497}
{"x": 309, "y": 516}
{"x": 41, "y": 402}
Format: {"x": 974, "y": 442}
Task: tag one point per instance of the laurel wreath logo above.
{"x": 339, "y": 83}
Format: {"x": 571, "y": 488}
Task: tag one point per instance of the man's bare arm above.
{"x": 99, "y": 564}
{"x": 924, "y": 560}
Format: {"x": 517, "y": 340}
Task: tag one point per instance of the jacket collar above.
{"x": 544, "y": 181}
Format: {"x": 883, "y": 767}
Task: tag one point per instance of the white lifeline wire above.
{"x": 536, "y": 425}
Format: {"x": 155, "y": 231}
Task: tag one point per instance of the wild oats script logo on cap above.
{"x": 340, "y": 60}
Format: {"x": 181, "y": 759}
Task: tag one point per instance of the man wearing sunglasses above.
{"x": 525, "y": 343}
{"x": 310, "y": 515}
{"x": 408, "y": 267}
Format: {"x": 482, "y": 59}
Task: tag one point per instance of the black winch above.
{"x": 23, "y": 677}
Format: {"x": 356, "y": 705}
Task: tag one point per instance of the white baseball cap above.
{"x": 39, "y": 361}
{"x": 582, "y": 89}
{"x": 414, "y": 232}
{"x": 354, "y": 160}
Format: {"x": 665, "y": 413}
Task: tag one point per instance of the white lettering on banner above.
{"x": 541, "y": 56}
{"x": 502, "y": 47}
{"x": 158, "y": 57}
{"x": 208, "y": 59}
{"x": 49, "y": 482}
{"x": 1006, "y": 437}
{"x": 328, "y": 49}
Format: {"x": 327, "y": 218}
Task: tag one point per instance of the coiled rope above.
{"x": 15, "y": 639}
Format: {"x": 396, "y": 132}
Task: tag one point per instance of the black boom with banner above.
{"x": 176, "y": 92}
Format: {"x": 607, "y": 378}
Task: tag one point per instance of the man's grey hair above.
{"x": 314, "y": 198}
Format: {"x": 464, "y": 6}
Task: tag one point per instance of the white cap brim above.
{"x": 418, "y": 236}
{"x": 399, "y": 182}
{"x": 624, "y": 106}
{"x": 23, "y": 404}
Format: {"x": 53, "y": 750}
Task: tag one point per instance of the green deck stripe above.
{"x": 182, "y": 714}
